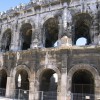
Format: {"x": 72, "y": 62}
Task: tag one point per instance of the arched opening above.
{"x": 82, "y": 28}
{"x": 51, "y": 32}
{"x": 22, "y": 84}
{"x": 26, "y": 36}
{"x": 48, "y": 84}
{"x": 83, "y": 85}
{"x": 81, "y": 41}
{"x": 6, "y": 40}
{"x": 22, "y": 79}
{"x": 3, "y": 81}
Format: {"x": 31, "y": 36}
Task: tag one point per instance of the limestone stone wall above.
{"x": 27, "y": 37}
{"x": 37, "y": 13}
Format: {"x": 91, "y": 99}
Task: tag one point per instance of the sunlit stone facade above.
{"x": 38, "y": 42}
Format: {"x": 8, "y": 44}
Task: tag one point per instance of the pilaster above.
{"x": 33, "y": 90}
{"x": 36, "y": 39}
{"x": 63, "y": 84}
{"x": 97, "y": 88}
{"x": 16, "y": 42}
{"x": 60, "y": 27}
{"x": 10, "y": 87}
{"x": 65, "y": 19}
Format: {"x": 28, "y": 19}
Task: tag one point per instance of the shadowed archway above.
{"x": 82, "y": 24}
{"x": 6, "y": 40}
{"x": 51, "y": 32}
{"x": 82, "y": 85}
{"x": 22, "y": 85}
{"x": 24, "y": 82}
{"x": 3, "y": 82}
{"x": 48, "y": 84}
{"x": 26, "y": 35}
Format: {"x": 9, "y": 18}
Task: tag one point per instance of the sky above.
{"x": 7, "y": 4}
{"x": 81, "y": 41}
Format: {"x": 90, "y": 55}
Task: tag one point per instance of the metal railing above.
{"x": 49, "y": 95}
{"x": 28, "y": 95}
{"x": 19, "y": 94}
{"x": 82, "y": 96}
{"x": 83, "y": 88}
{"x": 2, "y": 92}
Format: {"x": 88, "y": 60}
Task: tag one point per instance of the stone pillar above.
{"x": 69, "y": 26}
{"x": 98, "y": 39}
{"x": 15, "y": 43}
{"x": 95, "y": 39}
{"x": 36, "y": 39}
{"x": 42, "y": 36}
{"x": 36, "y": 89}
{"x": 97, "y": 87}
{"x": 63, "y": 84}
{"x": 10, "y": 87}
{"x": 0, "y": 46}
{"x": 33, "y": 90}
{"x": 95, "y": 28}
{"x": 60, "y": 28}
{"x": 1, "y": 41}
{"x": 65, "y": 19}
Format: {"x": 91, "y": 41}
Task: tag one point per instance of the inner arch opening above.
{"x": 21, "y": 80}
{"x": 26, "y": 36}
{"x": 3, "y": 79}
{"x": 83, "y": 82}
{"x": 51, "y": 32}
{"x": 48, "y": 80}
{"x": 6, "y": 40}
{"x": 3, "y": 82}
{"x": 82, "y": 23}
{"x": 22, "y": 84}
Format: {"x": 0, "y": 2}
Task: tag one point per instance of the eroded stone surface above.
{"x": 28, "y": 34}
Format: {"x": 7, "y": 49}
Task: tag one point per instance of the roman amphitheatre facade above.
{"x": 38, "y": 42}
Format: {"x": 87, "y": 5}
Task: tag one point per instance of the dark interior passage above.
{"x": 3, "y": 79}
{"x": 82, "y": 82}
{"x": 26, "y": 36}
{"x": 6, "y": 40}
{"x": 22, "y": 85}
{"x": 48, "y": 84}
{"x": 48, "y": 81}
{"x": 51, "y": 32}
{"x": 21, "y": 80}
{"x": 82, "y": 28}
